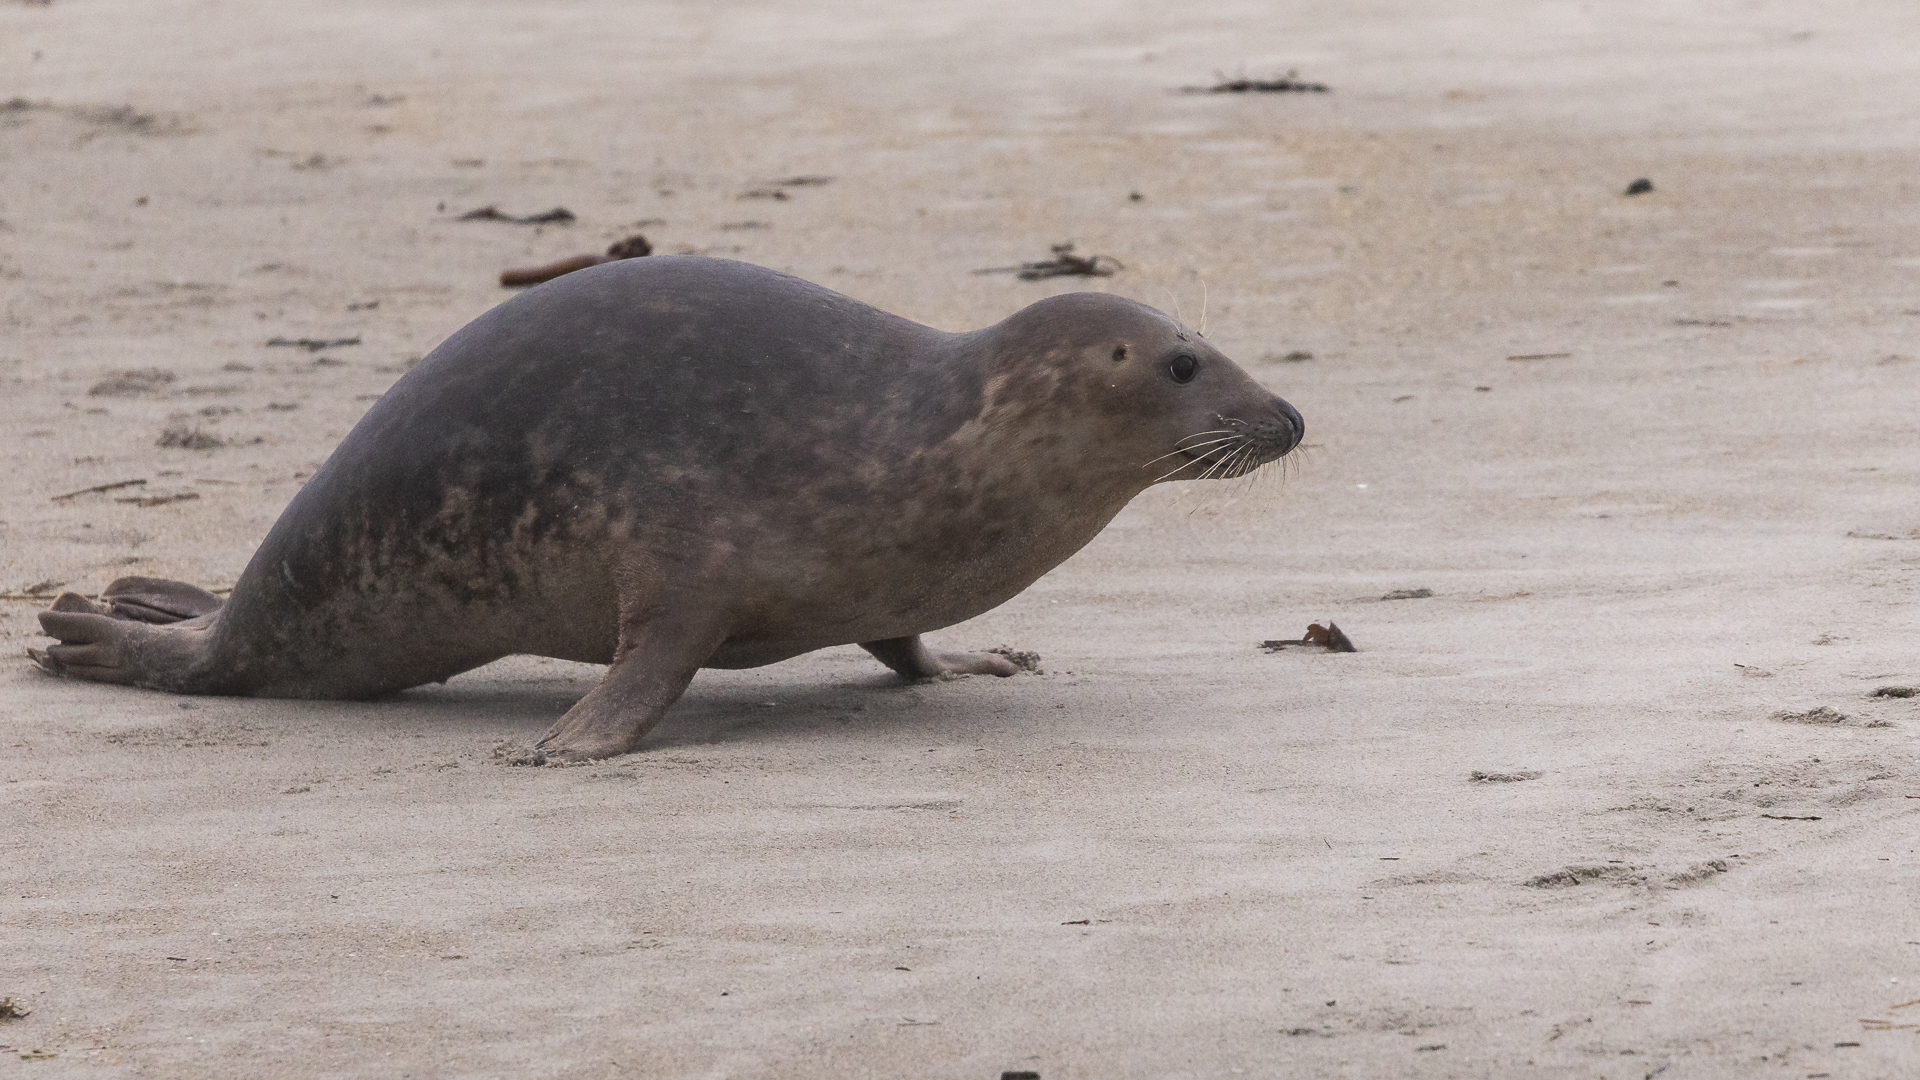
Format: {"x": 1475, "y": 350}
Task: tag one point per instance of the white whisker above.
{"x": 1179, "y": 444}
{"x": 1211, "y": 458}
{"x": 1182, "y": 465}
{"x": 1236, "y": 459}
{"x": 1219, "y": 464}
{"x": 1175, "y": 299}
{"x": 1195, "y": 446}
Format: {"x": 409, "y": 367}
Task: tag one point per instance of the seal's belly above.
{"x": 783, "y": 605}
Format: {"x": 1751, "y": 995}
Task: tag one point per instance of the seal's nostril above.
{"x": 1296, "y": 427}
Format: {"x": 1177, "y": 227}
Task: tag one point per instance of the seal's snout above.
{"x": 1293, "y": 428}
{"x": 1270, "y": 438}
{"x": 1238, "y": 445}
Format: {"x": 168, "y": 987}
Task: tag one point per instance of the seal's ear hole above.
{"x": 1183, "y": 368}
{"x": 1119, "y": 353}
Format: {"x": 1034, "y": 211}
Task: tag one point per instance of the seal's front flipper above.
{"x": 650, "y": 671}
{"x": 913, "y": 660}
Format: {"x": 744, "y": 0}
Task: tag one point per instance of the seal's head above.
{"x": 1160, "y": 399}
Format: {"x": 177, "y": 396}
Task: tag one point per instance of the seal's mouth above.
{"x": 1236, "y": 448}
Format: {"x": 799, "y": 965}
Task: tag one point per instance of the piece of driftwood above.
{"x": 633, "y": 247}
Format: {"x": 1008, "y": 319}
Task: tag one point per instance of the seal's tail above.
{"x": 142, "y": 631}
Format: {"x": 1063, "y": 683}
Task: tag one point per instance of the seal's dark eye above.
{"x": 1183, "y": 368}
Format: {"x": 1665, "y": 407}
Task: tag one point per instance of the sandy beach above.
{"x": 1609, "y": 791}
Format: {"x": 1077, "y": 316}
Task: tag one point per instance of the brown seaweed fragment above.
{"x": 559, "y": 215}
{"x": 633, "y": 247}
{"x": 1290, "y": 83}
{"x": 1328, "y": 637}
{"x": 1063, "y": 264}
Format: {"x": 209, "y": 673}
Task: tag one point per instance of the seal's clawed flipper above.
{"x": 650, "y": 671}
{"x": 127, "y": 636}
{"x": 143, "y": 599}
{"x": 91, "y": 644}
{"x": 157, "y": 600}
{"x": 913, "y": 660}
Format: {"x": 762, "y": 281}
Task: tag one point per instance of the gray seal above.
{"x": 667, "y": 464}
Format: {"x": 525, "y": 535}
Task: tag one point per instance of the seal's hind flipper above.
{"x": 142, "y": 643}
{"x": 157, "y": 600}
{"x": 144, "y": 599}
{"x": 89, "y": 641}
{"x": 73, "y": 601}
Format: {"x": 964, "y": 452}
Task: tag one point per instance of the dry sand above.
{"x": 1172, "y": 855}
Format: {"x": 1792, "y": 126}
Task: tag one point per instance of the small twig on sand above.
{"x": 115, "y": 486}
{"x": 556, "y": 216}
{"x": 633, "y": 247}
{"x": 1063, "y": 264}
{"x": 161, "y": 500}
{"x": 311, "y": 344}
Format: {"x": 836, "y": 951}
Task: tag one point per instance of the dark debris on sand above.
{"x": 1328, "y": 637}
{"x": 311, "y": 344}
{"x": 1063, "y": 264}
{"x": 182, "y": 437}
{"x": 559, "y": 215}
{"x": 1290, "y": 83}
{"x": 163, "y": 500}
{"x": 133, "y": 383}
{"x": 1479, "y": 777}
